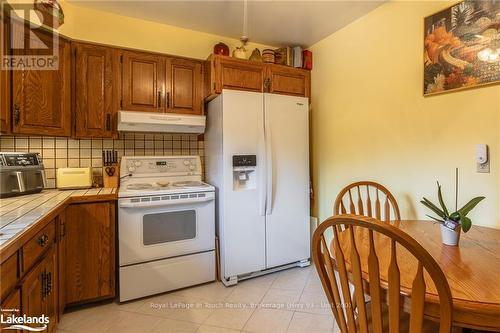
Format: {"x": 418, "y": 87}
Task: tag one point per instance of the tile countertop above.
{"x": 18, "y": 214}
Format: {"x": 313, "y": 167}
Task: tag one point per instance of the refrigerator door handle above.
{"x": 262, "y": 173}
{"x": 269, "y": 171}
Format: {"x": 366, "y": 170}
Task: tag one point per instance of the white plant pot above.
{"x": 450, "y": 237}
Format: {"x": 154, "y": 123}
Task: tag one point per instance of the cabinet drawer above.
{"x": 8, "y": 274}
{"x": 37, "y": 245}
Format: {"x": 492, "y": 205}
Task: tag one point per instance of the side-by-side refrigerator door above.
{"x": 244, "y": 192}
{"x": 287, "y": 198}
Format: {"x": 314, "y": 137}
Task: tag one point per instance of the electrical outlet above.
{"x": 483, "y": 167}
{"x": 482, "y": 158}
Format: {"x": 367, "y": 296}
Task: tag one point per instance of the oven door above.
{"x": 151, "y": 228}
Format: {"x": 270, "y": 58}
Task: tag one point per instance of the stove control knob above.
{"x": 192, "y": 167}
{"x": 131, "y": 168}
{"x": 186, "y": 162}
{"x": 137, "y": 163}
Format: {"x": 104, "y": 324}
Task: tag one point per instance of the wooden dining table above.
{"x": 472, "y": 270}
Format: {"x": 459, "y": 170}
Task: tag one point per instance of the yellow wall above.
{"x": 370, "y": 120}
{"x": 107, "y": 28}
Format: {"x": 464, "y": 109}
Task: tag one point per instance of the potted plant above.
{"x": 451, "y": 223}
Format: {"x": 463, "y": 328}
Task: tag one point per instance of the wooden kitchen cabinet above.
{"x": 288, "y": 81}
{"x": 12, "y": 302}
{"x": 143, "y": 82}
{"x": 8, "y": 275}
{"x": 4, "y": 81}
{"x": 90, "y": 252}
{"x": 38, "y": 290}
{"x": 42, "y": 98}
{"x": 222, "y": 72}
{"x": 37, "y": 245}
{"x": 61, "y": 262}
{"x": 184, "y": 86}
{"x": 97, "y": 90}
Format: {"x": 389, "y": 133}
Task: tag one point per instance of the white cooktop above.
{"x": 157, "y": 175}
{"x": 158, "y": 186}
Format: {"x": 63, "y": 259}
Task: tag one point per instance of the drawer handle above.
{"x": 42, "y": 240}
{"x": 43, "y": 290}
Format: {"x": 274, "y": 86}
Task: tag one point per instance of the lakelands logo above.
{"x": 13, "y": 322}
{"x": 30, "y": 46}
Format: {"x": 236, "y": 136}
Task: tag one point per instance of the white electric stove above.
{"x": 166, "y": 225}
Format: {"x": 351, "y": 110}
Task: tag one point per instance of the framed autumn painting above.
{"x": 462, "y": 46}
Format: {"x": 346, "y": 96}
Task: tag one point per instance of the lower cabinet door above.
{"x": 39, "y": 292}
{"x": 11, "y": 306}
{"x": 51, "y": 281}
{"x": 33, "y": 289}
{"x": 61, "y": 263}
{"x": 90, "y": 252}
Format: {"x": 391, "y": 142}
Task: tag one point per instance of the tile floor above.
{"x": 287, "y": 301}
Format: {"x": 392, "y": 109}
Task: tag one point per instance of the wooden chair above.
{"x": 362, "y": 204}
{"x": 370, "y": 317}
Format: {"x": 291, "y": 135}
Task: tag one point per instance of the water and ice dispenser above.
{"x": 244, "y": 172}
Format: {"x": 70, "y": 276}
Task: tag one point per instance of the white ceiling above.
{"x": 269, "y": 22}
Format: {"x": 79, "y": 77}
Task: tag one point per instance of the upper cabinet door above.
{"x": 96, "y": 90}
{"x": 231, "y": 73}
{"x": 184, "y": 86}
{"x": 288, "y": 81}
{"x": 42, "y": 98}
{"x": 143, "y": 78}
{"x": 4, "y": 82}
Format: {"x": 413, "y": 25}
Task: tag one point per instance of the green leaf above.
{"x": 441, "y": 201}
{"x": 466, "y": 223}
{"x": 435, "y": 218}
{"x": 469, "y": 206}
{"x": 455, "y": 216}
{"x": 433, "y": 207}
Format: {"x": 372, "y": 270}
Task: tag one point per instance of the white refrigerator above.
{"x": 257, "y": 157}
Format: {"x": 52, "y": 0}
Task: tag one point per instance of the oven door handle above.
{"x": 158, "y": 203}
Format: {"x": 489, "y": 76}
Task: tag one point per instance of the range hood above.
{"x": 133, "y": 121}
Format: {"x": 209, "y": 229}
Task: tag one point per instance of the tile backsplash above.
{"x": 65, "y": 152}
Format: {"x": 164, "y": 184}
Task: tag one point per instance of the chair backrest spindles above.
{"x": 344, "y": 283}
{"x": 360, "y": 203}
{"x": 375, "y": 295}
{"x": 338, "y": 313}
{"x": 358, "y": 284}
{"x": 368, "y": 202}
{"x": 387, "y": 210}
{"x": 394, "y": 289}
{"x": 365, "y": 236}
{"x": 342, "y": 207}
{"x": 352, "y": 208}
{"x": 418, "y": 300}
{"x": 363, "y": 205}
{"x": 377, "y": 208}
